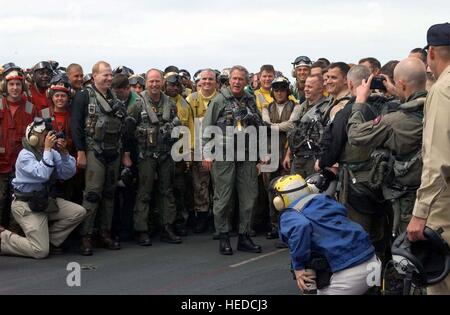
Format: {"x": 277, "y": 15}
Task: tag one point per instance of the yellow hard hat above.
{"x": 287, "y": 189}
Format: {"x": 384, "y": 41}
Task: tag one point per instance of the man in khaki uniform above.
{"x": 400, "y": 132}
{"x": 43, "y": 160}
{"x": 201, "y": 178}
{"x": 433, "y": 197}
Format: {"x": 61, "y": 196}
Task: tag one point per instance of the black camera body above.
{"x": 60, "y": 135}
{"x": 377, "y": 84}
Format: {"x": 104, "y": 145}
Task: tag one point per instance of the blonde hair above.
{"x": 96, "y": 67}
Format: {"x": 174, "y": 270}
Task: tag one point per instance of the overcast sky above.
{"x": 198, "y": 34}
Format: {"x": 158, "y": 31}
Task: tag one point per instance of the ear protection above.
{"x": 278, "y": 200}
{"x": 39, "y": 125}
{"x": 13, "y": 75}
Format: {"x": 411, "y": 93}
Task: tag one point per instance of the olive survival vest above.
{"x": 103, "y": 127}
{"x": 305, "y": 139}
{"x": 236, "y": 112}
{"x": 403, "y": 164}
{"x": 154, "y": 128}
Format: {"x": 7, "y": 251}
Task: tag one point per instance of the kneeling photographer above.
{"x": 43, "y": 160}
{"x": 328, "y": 251}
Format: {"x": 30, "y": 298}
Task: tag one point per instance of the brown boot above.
{"x": 104, "y": 240}
{"x": 86, "y": 245}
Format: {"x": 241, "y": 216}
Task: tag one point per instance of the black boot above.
{"x": 273, "y": 234}
{"x": 168, "y": 235}
{"x": 201, "y": 224}
{"x": 180, "y": 229}
{"x": 246, "y": 244}
{"x": 144, "y": 239}
{"x": 224, "y": 244}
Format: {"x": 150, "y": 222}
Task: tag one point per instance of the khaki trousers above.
{"x": 38, "y": 232}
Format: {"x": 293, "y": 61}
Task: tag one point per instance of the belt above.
{"x": 25, "y": 197}
{"x": 22, "y": 198}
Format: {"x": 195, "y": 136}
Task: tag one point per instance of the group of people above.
{"x": 67, "y": 140}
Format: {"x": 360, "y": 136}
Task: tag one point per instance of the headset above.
{"x": 278, "y": 201}
{"x": 12, "y": 72}
{"x": 39, "y": 125}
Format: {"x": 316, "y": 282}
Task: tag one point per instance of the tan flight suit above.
{"x": 433, "y": 196}
{"x": 400, "y": 132}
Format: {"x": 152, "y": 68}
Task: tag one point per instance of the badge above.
{"x": 91, "y": 109}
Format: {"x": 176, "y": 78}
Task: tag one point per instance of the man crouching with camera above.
{"x": 43, "y": 160}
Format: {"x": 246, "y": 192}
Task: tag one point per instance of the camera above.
{"x": 60, "y": 135}
{"x": 377, "y": 84}
{"x": 119, "y": 109}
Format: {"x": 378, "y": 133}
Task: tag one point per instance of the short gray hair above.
{"x": 210, "y": 71}
{"x": 358, "y": 73}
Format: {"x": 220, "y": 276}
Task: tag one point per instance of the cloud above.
{"x": 198, "y": 34}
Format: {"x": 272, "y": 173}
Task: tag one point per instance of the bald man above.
{"x": 400, "y": 132}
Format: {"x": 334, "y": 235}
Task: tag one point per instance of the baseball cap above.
{"x": 438, "y": 35}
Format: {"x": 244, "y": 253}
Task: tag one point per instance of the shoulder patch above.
{"x": 376, "y": 121}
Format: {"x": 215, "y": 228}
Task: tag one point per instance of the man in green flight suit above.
{"x": 232, "y": 109}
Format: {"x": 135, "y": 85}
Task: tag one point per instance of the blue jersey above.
{"x": 323, "y": 226}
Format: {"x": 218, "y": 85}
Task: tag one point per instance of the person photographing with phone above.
{"x": 43, "y": 160}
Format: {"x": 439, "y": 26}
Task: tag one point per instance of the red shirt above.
{"x": 61, "y": 122}
{"x": 14, "y": 119}
{"x": 38, "y": 98}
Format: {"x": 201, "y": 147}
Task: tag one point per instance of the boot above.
{"x": 168, "y": 235}
{"x": 273, "y": 234}
{"x": 246, "y": 244}
{"x": 144, "y": 239}
{"x": 224, "y": 244}
{"x": 86, "y": 245}
{"x": 180, "y": 229}
{"x": 107, "y": 242}
{"x": 201, "y": 224}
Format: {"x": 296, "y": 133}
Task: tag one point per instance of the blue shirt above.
{"x": 323, "y": 227}
{"x": 32, "y": 175}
